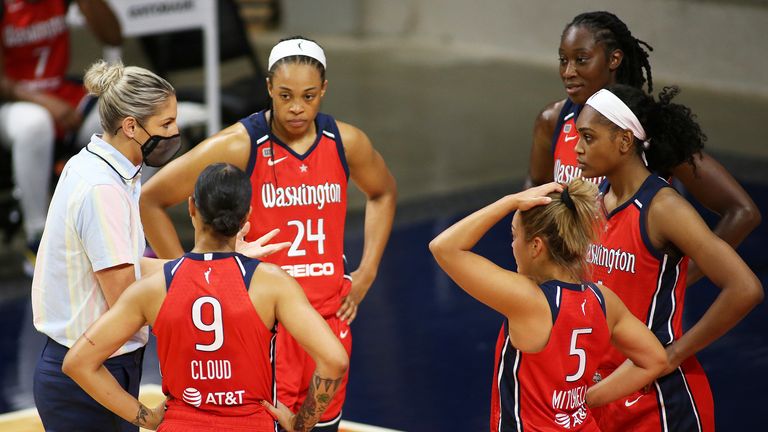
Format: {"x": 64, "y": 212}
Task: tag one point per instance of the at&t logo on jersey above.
{"x": 192, "y": 396}
{"x": 611, "y": 259}
{"x": 304, "y": 195}
{"x": 567, "y": 421}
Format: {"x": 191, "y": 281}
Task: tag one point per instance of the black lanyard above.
{"x": 111, "y": 166}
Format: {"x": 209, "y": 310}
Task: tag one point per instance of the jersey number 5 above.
{"x": 578, "y": 352}
{"x": 214, "y": 326}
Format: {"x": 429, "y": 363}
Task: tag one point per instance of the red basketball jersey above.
{"x": 546, "y": 391}
{"x": 306, "y": 197}
{"x": 563, "y": 145}
{"x": 651, "y": 283}
{"x": 36, "y": 47}
{"x": 215, "y": 352}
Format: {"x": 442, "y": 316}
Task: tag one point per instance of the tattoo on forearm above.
{"x": 90, "y": 341}
{"x": 319, "y": 395}
{"x": 141, "y": 416}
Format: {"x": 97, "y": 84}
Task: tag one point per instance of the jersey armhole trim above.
{"x": 645, "y": 197}
{"x": 247, "y": 267}
{"x": 255, "y": 133}
{"x": 169, "y": 269}
{"x": 599, "y": 295}
{"x": 554, "y": 295}
{"x": 335, "y": 135}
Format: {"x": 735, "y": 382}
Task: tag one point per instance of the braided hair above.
{"x": 614, "y": 34}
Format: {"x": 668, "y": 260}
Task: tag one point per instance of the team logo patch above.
{"x": 266, "y": 152}
{"x": 192, "y": 396}
{"x": 567, "y": 128}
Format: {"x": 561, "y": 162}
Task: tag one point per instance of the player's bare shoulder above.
{"x": 270, "y": 280}
{"x": 352, "y": 137}
{"x": 548, "y": 115}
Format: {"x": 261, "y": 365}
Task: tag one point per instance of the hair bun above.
{"x": 101, "y": 76}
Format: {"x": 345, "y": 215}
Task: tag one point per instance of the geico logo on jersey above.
{"x": 565, "y": 173}
{"x": 304, "y": 195}
{"x": 611, "y": 259}
{"x": 211, "y": 369}
{"x": 313, "y": 269}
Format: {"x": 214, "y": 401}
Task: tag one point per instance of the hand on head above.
{"x": 537, "y": 196}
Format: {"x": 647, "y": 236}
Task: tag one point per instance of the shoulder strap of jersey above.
{"x": 554, "y": 295}
{"x": 247, "y": 268}
{"x": 568, "y": 107}
{"x": 604, "y": 186}
{"x": 258, "y": 132}
{"x": 328, "y": 127}
{"x": 598, "y": 294}
{"x": 170, "y": 268}
{"x": 651, "y": 186}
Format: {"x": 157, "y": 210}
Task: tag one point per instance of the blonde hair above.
{"x": 567, "y": 226}
{"x": 126, "y": 91}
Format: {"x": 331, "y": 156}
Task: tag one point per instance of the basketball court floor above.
{"x": 455, "y": 130}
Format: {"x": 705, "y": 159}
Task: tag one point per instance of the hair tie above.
{"x": 565, "y": 197}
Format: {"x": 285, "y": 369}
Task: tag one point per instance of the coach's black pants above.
{"x": 64, "y": 406}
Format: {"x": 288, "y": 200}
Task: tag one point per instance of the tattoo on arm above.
{"x": 319, "y": 395}
{"x": 141, "y": 416}
{"x": 90, "y": 341}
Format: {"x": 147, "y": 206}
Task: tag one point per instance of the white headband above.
{"x": 615, "y": 110}
{"x": 294, "y": 47}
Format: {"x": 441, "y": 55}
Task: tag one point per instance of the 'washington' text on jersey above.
{"x": 304, "y": 195}
{"x": 611, "y": 259}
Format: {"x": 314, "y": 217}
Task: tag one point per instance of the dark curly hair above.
{"x": 674, "y": 134}
{"x": 608, "y": 29}
{"x": 223, "y": 196}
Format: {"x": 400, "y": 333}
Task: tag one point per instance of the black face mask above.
{"x": 159, "y": 150}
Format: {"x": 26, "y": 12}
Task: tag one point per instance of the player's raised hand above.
{"x": 536, "y": 196}
{"x": 258, "y": 248}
